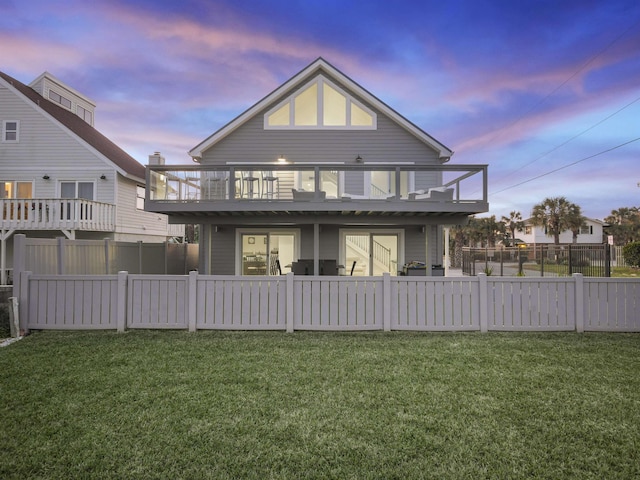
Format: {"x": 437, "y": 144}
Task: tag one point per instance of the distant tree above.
{"x": 556, "y": 215}
{"x": 624, "y": 225}
{"x": 575, "y": 221}
{"x": 489, "y": 230}
{"x": 457, "y": 237}
{"x": 631, "y": 252}
{"x": 512, "y": 223}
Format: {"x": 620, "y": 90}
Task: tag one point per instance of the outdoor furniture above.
{"x": 248, "y": 185}
{"x": 307, "y": 196}
{"x": 434, "y": 193}
{"x": 269, "y": 181}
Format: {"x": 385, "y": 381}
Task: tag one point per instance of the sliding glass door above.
{"x": 370, "y": 253}
{"x": 267, "y": 253}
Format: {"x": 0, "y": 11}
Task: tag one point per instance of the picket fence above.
{"x": 291, "y": 303}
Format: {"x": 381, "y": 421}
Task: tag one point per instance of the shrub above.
{"x": 631, "y": 252}
{"x": 5, "y": 329}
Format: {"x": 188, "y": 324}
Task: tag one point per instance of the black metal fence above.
{"x": 539, "y": 260}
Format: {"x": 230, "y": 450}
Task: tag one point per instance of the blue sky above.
{"x": 547, "y": 93}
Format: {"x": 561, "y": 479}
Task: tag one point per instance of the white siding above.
{"x": 130, "y": 220}
{"x": 46, "y": 147}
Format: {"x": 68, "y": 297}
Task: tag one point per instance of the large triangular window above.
{"x": 320, "y": 105}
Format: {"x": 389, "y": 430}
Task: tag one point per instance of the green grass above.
{"x": 551, "y": 268}
{"x": 148, "y": 404}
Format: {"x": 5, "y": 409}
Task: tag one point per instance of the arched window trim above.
{"x": 320, "y": 80}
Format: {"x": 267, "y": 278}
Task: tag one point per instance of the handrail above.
{"x": 56, "y": 213}
{"x": 185, "y": 183}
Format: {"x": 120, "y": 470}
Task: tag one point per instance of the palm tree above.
{"x": 556, "y": 215}
{"x": 624, "y": 225}
{"x": 575, "y": 221}
{"x": 512, "y": 223}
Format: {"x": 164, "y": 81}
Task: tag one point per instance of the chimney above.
{"x": 156, "y": 159}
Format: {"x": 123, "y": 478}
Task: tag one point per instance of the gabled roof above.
{"x": 317, "y": 67}
{"x": 125, "y": 163}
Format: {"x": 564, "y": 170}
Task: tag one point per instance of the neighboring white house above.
{"x": 592, "y": 232}
{"x": 60, "y": 176}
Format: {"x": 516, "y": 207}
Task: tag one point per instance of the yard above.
{"x": 172, "y": 404}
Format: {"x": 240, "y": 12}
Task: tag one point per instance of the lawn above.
{"x": 149, "y": 404}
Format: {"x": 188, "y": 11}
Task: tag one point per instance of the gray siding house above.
{"x": 319, "y": 177}
{"x": 59, "y": 176}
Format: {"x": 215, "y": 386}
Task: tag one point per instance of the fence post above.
{"x": 23, "y": 301}
{"x": 579, "y": 307}
{"x": 107, "y": 260}
{"x": 19, "y": 261}
{"x": 121, "y": 312}
{"x": 289, "y": 302}
{"x": 14, "y": 317}
{"x": 484, "y": 298}
{"x": 193, "y": 299}
{"x": 386, "y": 301}
{"x": 61, "y": 262}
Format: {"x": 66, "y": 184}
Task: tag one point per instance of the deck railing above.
{"x": 56, "y": 214}
{"x": 198, "y": 183}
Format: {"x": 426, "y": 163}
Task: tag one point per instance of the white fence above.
{"x": 292, "y": 302}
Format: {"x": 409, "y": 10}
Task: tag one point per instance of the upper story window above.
{"x": 586, "y": 230}
{"x": 56, "y": 97}
{"x": 10, "y": 131}
{"x": 12, "y": 189}
{"x": 77, "y": 190}
{"x": 139, "y": 197}
{"x": 85, "y": 114}
{"x": 320, "y": 105}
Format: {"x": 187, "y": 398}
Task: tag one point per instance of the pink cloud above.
{"x": 26, "y": 54}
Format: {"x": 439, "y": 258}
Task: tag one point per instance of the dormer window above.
{"x": 57, "y": 98}
{"x": 320, "y": 105}
{"x": 85, "y": 114}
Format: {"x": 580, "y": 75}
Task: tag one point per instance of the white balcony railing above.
{"x": 56, "y": 214}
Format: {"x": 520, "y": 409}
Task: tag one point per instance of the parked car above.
{"x": 516, "y": 242}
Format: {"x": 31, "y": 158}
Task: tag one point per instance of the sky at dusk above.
{"x": 547, "y": 93}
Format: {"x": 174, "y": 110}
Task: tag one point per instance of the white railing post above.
{"x": 289, "y": 302}
{"x": 484, "y": 302}
{"x": 193, "y": 300}
{"x": 579, "y": 306}
{"x": 386, "y": 301}
{"x": 121, "y": 307}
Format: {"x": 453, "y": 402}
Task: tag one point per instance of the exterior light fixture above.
{"x": 282, "y": 159}
{"x": 359, "y": 159}
{"x": 103, "y": 177}
{"x": 45, "y": 177}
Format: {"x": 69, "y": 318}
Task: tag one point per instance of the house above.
{"x": 319, "y": 177}
{"x": 592, "y": 232}
{"x": 60, "y": 176}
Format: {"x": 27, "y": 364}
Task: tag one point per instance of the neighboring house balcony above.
{"x": 66, "y": 214}
{"x": 280, "y": 190}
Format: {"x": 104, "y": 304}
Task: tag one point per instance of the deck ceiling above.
{"x": 344, "y": 217}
